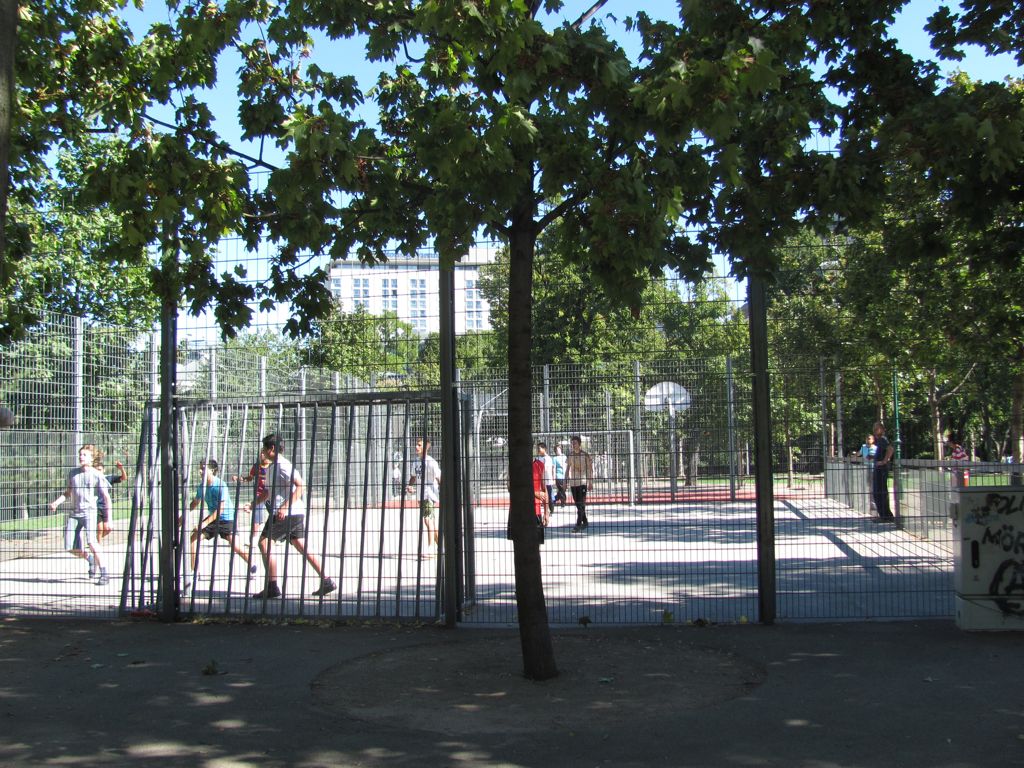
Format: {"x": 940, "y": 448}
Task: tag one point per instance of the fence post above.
{"x": 824, "y": 423}
{"x": 897, "y": 453}
{"x": 638, "y": 416}
{"x": 302, "y": 421}
{"x": 78, "y": 382}
{"x": 449, "y": 451}
{"x": 168, "y": 449}
{"x": 730, "y": 394}
{"x": 545, "y": 403}
{"x": 761, "y": 395}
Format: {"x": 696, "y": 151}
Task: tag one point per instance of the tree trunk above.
{"x": 534, "y": 632}
{"x": 935, "y": 416}
{"x": 8, "y": 42}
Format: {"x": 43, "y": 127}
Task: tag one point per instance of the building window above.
{"x": 389, "y": 294}
{"x": 474, "y": 307}
{"x": 418, "y": 305}
{"x": 361, "y": 292}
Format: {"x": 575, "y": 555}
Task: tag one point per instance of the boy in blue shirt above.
{"x": 215, "y": 499}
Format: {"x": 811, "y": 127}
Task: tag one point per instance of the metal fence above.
{"x": 672, "y": 533}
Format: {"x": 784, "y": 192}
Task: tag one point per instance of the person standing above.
{"x": 559, "y": 461}
{"x": 867, "y": 455}
{"x": 880, "y": 475}
{"x": 579, "y": 474}
{"x": 548, "y": 480}
{"x": 957, "y": 452}
{"x": 284, "y": 490}
{"x": 85, "y": 485}
{"x": 540, "y": 496}
{"x": 424, "y": 483}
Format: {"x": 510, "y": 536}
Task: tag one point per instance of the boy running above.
{"x": 284, "y": 489}
{"x": 85, "y": 485}
{"x": 215, "y": 499}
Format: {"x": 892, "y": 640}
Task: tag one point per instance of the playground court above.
{"x": 641, "y": 564}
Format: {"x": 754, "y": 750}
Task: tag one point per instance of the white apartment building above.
{"x": 409, "y": 288}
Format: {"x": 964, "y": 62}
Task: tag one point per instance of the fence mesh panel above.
{"x": 672, "y": 530}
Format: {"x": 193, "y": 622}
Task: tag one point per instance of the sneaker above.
{"x": 577, "y": 528}
{"x": 92, "y": 568}
{"x": 326, "y": 586}
{"x": 270, "y": 591}
{"x": 103, "y": 580}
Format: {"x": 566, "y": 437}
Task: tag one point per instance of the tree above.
{"x": 362, "y": 344}
{"x": 64, "y": 266}
{"x": 8, "y": 44}
{"x": 495, "y": 125}
{"x": 490, "y": 123}
{"x": 956, "y": 238}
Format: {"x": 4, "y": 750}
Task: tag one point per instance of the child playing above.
{"x": 219, "y": 513}
{"x": 85, "y": 486}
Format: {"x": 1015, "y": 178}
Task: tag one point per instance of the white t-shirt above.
{"x": 549, "y": 469}
{"x": 427, "y": 475}
{"x": 279, "y": 484}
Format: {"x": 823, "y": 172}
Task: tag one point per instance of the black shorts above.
{"x": 222, "y": 528}
{"x": 102, "y": 516}
{"x": 292, "y": 527}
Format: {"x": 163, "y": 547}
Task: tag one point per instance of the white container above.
{"x": 988, "y": 531}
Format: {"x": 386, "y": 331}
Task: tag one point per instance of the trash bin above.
{"x": 988, "y": 555}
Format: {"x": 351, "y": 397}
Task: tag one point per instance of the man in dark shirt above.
{"x": 880, "y": 477}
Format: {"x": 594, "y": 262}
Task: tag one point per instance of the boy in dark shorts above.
{"x": 85, "y": 485}
{"x": 284, "y": 489}
{"x": 219, "y": 519}
{"x": 425, "y": 483}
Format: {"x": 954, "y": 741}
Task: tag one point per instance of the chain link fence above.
{"x": 672, "y": 533}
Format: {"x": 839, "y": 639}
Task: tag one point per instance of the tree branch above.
{"x": 218, "y": 144}
{"x": 559, "y": 209}
{"x": 593, "y": 9}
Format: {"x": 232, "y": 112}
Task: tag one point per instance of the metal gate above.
{"x": 363, "y": 527}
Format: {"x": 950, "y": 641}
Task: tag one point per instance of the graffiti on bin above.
{"x": 1007, "y": 587}
{"x": 996, "y": 505}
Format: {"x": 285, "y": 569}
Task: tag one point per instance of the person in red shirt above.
{"x": 540, "y": 494}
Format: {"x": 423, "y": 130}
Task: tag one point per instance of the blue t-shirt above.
{"x": 215, "y": 493}
{"x": 559, "y": 466}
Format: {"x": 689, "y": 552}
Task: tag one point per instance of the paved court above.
{"x": 644, "y": 564}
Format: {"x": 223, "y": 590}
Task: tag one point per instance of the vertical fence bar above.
{"x": 329, "y": 497}
{"x": 168, "y": 441}
{"x": 730, "y": 405}
{"x": 78, "y": 381}
{"x": 638, "y": 419}
{"x": 824, "y": 422}
{"x": 761, "y": 397}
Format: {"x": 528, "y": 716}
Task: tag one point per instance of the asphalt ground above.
{"x": 217, "y": 695}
